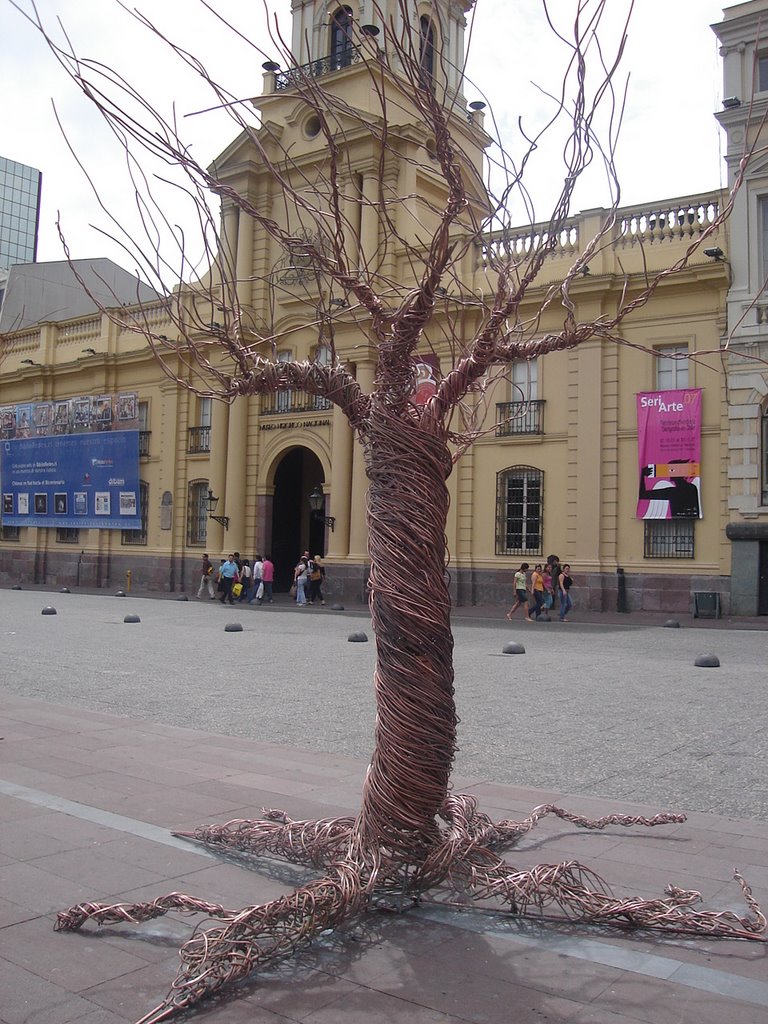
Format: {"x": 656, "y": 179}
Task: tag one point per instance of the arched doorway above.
{"x": 294, "y": 528}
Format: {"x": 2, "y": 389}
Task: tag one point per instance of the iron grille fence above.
{"x": 144, "y": 436}
{"x": 282, "y": 402}
{"x": 317, "y": 68}
{"x": 519, "y": 418}
{"x": 519, "y": 511}
{"x": 199, "y": 440}
{"x": 669, "y": 538}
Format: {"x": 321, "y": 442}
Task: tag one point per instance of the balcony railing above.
{"x": 144, "y": 436}
{"x": 284, "y": 403}
{"x": 199, "y": 440}
{"x": 519, "y": 418}
{"x": 317, "y": 68}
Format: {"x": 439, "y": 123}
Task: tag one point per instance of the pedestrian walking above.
{"x": 564, "y": 589}
{"x": 316, "y": 580}
{"x": 537, "y": 591}
{"x": 257, "y": 585}
{"x": 228, "y": 577}
{"x": 521, "y": 592}
{"x": 267, "y": 578}
{"x": 206, "y": 579}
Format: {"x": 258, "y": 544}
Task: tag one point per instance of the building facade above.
{"x": 555, "y": 468}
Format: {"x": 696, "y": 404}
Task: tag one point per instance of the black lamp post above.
{"x": 212, "y": 501}
{"x": 317, "y": 506}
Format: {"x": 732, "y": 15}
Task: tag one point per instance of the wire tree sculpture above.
{"x": 412, "y": 834}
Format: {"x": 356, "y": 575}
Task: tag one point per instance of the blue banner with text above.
{"x": 86, "y": 481}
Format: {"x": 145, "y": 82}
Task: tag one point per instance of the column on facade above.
{"x": 228, "y": 250}
{"x": 369, "y": 220}
{"x": 234, "y": 505}
{"x": 358, "y": 533}
{"x": 244, "y": 261}
{"x": 217, "y": 474}
{"x": 342, "y": 441}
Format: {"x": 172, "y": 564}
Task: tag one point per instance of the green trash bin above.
{"x": 706, "y": 605}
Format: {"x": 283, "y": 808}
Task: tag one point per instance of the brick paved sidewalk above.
{"x": 87, "y": 802}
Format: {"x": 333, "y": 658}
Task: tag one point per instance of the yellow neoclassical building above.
{"x": 555, "y": 468}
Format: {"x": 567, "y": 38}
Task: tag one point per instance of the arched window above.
{"x": 341, "y": 38}
{"x": 426, "y": 53}
{"x": 197, "y": 513}
{"x": 519, "y": 511}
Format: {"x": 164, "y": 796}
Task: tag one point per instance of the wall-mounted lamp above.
{"x": 340, "y": 303}
{"x": 270, "y": 65}
{"x": 477, "y": 105}
{"x": 585, "y": 271}
{"x": 89, "y": 351}
{"x": 212, "y": 501}
{"x": 29, "y": 362}
{"x": 370, "y": 30}
{"x": 441, "y": 291}
{"x": 731, "y": 102}
{"x": 715, "y": 253}
{"x": 317, "y": 507}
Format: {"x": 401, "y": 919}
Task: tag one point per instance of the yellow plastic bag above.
{"x": 237, "y": 589}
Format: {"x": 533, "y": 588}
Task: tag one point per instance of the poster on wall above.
{"x": 669, "y": 454}
{"x": 74, "y": 480}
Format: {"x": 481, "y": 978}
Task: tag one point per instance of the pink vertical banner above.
{"x": 669, "y": 454}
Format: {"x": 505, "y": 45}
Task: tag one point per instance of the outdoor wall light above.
{"x": 715, "y": 253}
{"x": 270, "y": 65}
{"x": 731, "y": 102}
{"x": 477, "y": 105}
{"x": 212, "y": 501}
{"x": 29, "y": 362}
{"x": 317, "y": 506}
{"x": 370, "y": 30}
{"x": 341, "y": 303}
{"x": 89, "y": 351}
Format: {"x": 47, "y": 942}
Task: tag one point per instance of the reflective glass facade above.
{"x": 19, "y": 212}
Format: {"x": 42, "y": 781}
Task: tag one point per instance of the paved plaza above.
{"x": 114, "y": 733}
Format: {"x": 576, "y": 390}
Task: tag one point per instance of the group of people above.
{"x": 549, "y": 584}
{"x": 237, "y": 579}
{"x": 308, "y": 578}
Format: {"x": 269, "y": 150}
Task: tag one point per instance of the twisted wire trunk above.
{"x": 407, "y": 507}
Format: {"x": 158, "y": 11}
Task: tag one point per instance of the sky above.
{"x": 670, "y": 144}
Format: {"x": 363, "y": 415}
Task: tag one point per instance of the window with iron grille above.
{"x": 10, "y": 533}
{"x": 669, "y": 538}
{"x": 139, "y": 536}
{"x": 197, "y": 513}
{"x": 67, "y": 535}
{"x": 519, "y": 509}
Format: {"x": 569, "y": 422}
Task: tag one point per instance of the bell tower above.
{"x": 330, "y": 32}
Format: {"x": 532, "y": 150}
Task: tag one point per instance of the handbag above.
{"x": 260, "y": 591}
{"x": 237, "y": 589}
{"x": 293, "y": 590}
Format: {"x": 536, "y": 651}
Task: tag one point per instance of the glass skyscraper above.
{"x": 19, "y": 212}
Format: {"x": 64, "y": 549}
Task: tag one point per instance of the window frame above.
{"x": 678, "y": 367}
{"x": 138, "y": 538}
{"x": 669, "y": 538}
{"x": 197, "y": 513}
{"x": 531, "y": 526}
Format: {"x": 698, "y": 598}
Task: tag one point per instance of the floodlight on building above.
{"x": 29, "y": 362}
{"x": 477, "y": 105}
{"x": 89, "y": 351}
{"x": 270, "y": 65}
{"x": 370, "y": 30}
{"x": 731, "y": 102}
{"x": 715, "y": 253}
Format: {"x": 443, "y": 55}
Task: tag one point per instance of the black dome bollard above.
{"x": 64, "y": 590}
{"x": 357, "y": 638}
{"x": 337, "y": 607}
{"x": 233, "y": 627}
{"x": 120, "y": 593}
{"x": 182, "y": 597}
{"x": 707, "y": 661}
{"x": 513, "y": 648}
{"x": 671, "y": 624}
{"x": 49, "y": 610}
{"x": 131, "y": 618}
{"x": 17, "y": 586}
